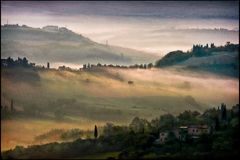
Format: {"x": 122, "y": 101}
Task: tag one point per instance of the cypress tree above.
{"x": 95, "y": 132}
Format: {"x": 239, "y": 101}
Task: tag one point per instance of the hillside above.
{"x": 46, "y": 98}
{"x": 59, "y": 44}
{"x": 86, "y": 93}
{"x": 223, "y": 60}
{"x": 106, "y": 91}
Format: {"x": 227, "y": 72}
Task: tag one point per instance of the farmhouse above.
{"x": 196, "y": 130}
{"x": 193, "y": 131}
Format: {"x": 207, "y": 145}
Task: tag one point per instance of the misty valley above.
{"x": 120, "y": 80}
{"x": 42, "y": 105}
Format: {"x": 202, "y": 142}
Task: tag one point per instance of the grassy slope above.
{"x": 67, "y": 47}
{"x": 107, "y": 97}
{"x": 45, "y": 89}
{"x": 220, "y": 60}
{"x": 108, "y": 92}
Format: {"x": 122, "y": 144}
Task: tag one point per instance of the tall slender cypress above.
{"x": 95, "y": 132}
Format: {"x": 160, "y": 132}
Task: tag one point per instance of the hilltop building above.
{"x": 197, "y": 130}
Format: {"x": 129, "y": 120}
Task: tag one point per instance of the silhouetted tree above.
{"x": 150, "y": 65}
{"x": 95, "y": 132}
{"x": 145, "y": 66}
{"x": 136, "y": 125}
{"x": 136, "y": 66}
{"x": 48, "y": 65}
{"x": 227, "y": 43}
{"x": 139, "y": 125}
{"x": 198, "y": 50}
{"x": 212, "y": 45}
{"x": 167, "y": 121}
{"x": 24, "y": 62}
{"x": 10, "y": 62}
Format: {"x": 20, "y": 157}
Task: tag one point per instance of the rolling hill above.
{"x": 94, "y": 97}
{"x": 223, "y": 60}
{"x": 93, "y": 94}
{"x": 59, "y": 44}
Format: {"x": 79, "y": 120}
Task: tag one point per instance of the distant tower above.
{"x": 12, "y": 108}
{"x": 48, "y": 65}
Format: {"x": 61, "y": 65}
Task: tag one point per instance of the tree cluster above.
{"x": 20, "y": 62}
{"x": 197, "y": 50}
{"x": 140, "y": 66}
{"x": 138, "y": 139}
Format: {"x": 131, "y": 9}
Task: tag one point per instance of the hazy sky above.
{"x": 157, "y": 27}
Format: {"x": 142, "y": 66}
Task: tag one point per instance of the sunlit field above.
{"x": 101, "y": 95}
{"x": 23, "y": 131}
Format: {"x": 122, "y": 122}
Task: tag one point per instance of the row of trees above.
{"x": 200, "y": 50}
{"x": 175, "y": 57}
{"x": 142, "y": 66}
{"x": 20, "y": 62}
{"x": 23, "y": 62}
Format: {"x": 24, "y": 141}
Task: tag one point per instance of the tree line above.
{"x": 197, "y": 50}
{"x": 138, "y": 139}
